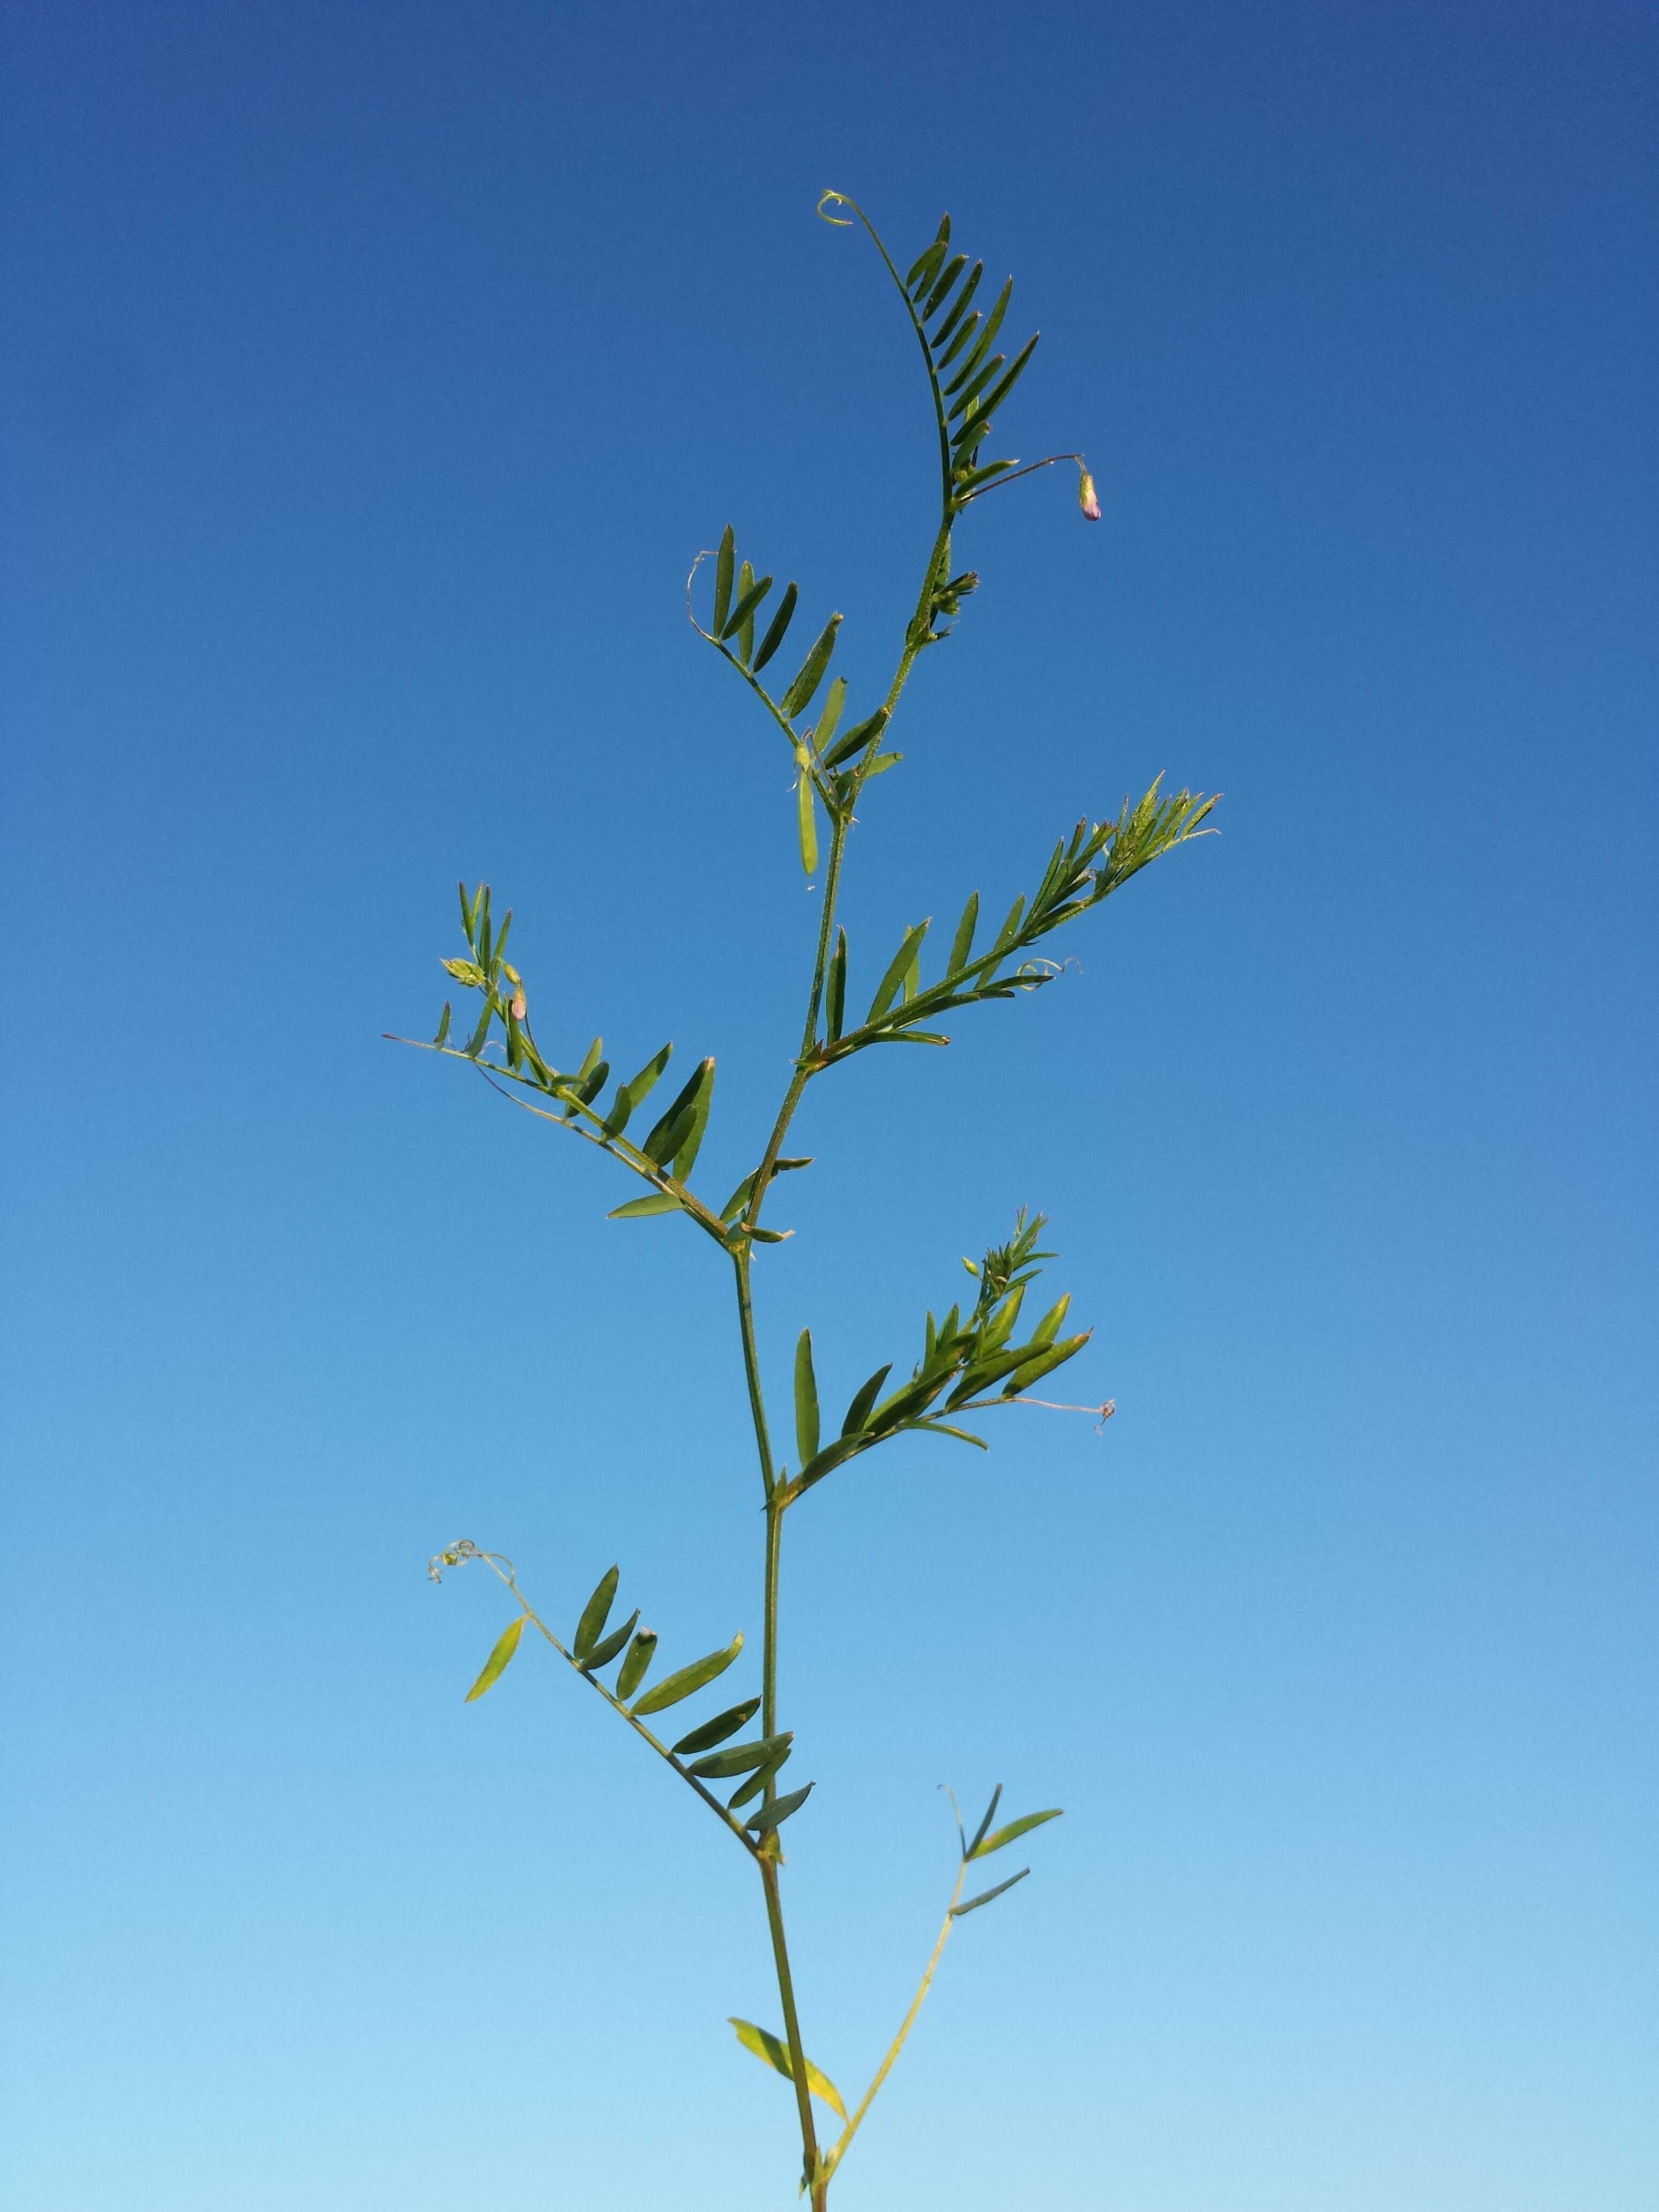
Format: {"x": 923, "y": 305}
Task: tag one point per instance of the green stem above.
{"x": 838, "y": 2148}
{"x": 809, "y": 2135}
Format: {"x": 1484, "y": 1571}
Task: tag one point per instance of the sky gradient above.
{"x": 372, "y": 374}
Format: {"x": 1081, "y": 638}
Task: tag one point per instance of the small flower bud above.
{"x": 1086, "y": 498}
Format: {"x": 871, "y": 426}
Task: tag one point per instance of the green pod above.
{"x": 807, "y": 812}
{"x": 637, "y": 1664}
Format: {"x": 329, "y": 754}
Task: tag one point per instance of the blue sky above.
{"x": 372, "y": 374}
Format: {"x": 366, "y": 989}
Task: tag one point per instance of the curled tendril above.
{"x": 841, "y": 221}
{"x": 458, "y": 1554}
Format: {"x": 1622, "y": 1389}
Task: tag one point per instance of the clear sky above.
{"x": 372, "y": 374}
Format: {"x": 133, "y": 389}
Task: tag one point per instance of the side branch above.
{"x": 502, "y": 1569}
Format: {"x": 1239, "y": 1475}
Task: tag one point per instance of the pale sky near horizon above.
{"x": 372, "y": 374}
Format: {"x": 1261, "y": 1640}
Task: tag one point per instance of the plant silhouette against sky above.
{"x": 980, "y": 1353}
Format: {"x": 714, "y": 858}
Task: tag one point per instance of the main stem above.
{"x": 817, "y": 2181}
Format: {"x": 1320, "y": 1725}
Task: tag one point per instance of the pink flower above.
{"x": 1086, "y": 498}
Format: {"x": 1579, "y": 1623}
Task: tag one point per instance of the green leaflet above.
{"x": 716, "y": 1731}
{"x": 944, "y": 1429}
{"x": 947, "y": 277}
{"x": 922, "y": 275}
{"x": 992, "y": 325}
{"x": 962, "y": 943}
{"x": 801, "y": 692}
{"x": 959, "y": 309}
{"x": 474, "y": 1043}
{"x": 506, "y": 1645}
{"x": 806, "y": 1399}
{"x": 757, "y": 1782}
{"x": 962, "y": 338}
{"x": 635, "y": 1667}
{"x": 982, "y": 1847}
{"x": 690, "y": 1143}
{"x": 739, "y": 1198}
{"x": 602, "y": 1654}
{"x": 1048, "y": 1327}
{"x": 809, "y": 823}
{"x": 1033, "y": 1370}
{"x": 835, "y": 1007}
{"x": 986, "y": 1895}
{"x": 443, "y": 1024}
{"x": 595, "y": 1614}
{"x": 903, "y": 960}
{"x": 688, "y": 1679}
{"x": 768, "y": 2049}
{"x": 635, "y": 1091}
{"x": 856, "y": 738}
{"x": 968, "y": 388}
{"x": 976, "y": 479}
{"x": 830, "y": 714}
{"x": 775, "y": 1814}
{"x": 638, "y": 1209}
{"x": 466, "y": 912}
{"x": 987, "y": 406}
{"x": 883, "y": 762}
{"x": 723, "y": 562}
{"x": 742, "y": 1757}
{"x": 749, "y": 598}
{"x": 863, "y": 1399}
{"x": 990, "y": 1816}
{"x": 591, "y": 1059}
{"x": 774, "y": 637}
{"x": 670, "y": 1135}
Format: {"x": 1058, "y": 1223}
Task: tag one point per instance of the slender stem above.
{"x": 838, "y": 2148}
{"x": 752, "y": 1373}
{"x": 808, "y": 2137}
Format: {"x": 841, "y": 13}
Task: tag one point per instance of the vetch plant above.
{"x": 983, "y": 1353}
